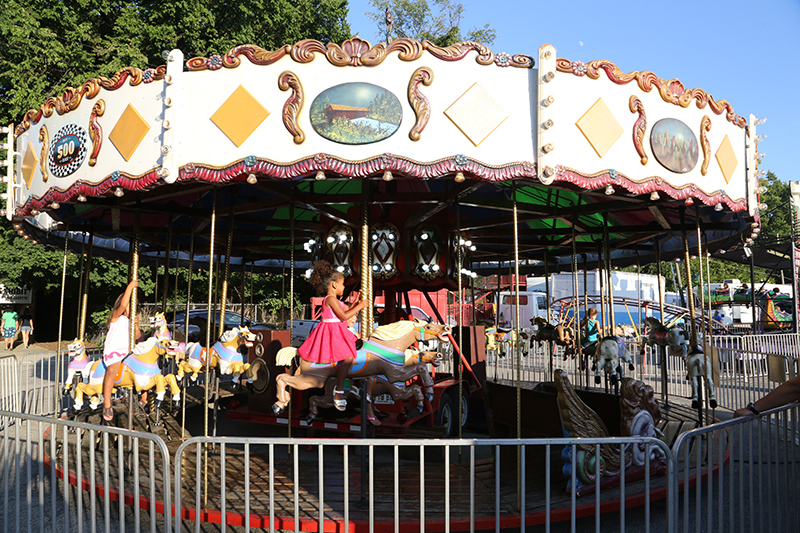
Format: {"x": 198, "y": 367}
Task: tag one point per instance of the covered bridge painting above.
{"x": 345, "y": 111}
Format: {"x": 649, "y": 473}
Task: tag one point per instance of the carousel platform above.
{"x": 328, "y": 478}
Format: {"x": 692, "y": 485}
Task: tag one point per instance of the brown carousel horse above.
{"x": 381, "y": 385}
{"x": 561, "y": 335}
{"x": 382, "y": 354}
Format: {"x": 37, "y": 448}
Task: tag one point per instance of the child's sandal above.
{"x": 341, "y": 405}
{"x": 108, "y": 414}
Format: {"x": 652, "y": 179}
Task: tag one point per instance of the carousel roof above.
{"x": 572, "y": 152}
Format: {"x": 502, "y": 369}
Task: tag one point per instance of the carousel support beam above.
{"x": 662, "y": 349}
{"x": 297, "y": 199}
{"x": 85, "y": 284}
{"x": 133, "y": 308}
{"x": 209, "y": 311}
{"x": 60, "y": 354}
{"x": 186, "y": 325}
{"x": 688, "y": 269}
{"x": 453, "y": 196}
{"x": 224, "y": 297}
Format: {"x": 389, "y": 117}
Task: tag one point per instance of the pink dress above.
{"x": 330, "y": 341}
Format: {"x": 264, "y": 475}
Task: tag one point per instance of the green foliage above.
{"x": 48, "y": 46}
{"x": 438, "y": 21}
{"x": 776, "y": 221}
{"x": 385, "y": 108}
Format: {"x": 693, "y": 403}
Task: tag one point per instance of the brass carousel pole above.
{"x": 601, "y": 274}
{"x": 166, "y": 268}
{"x": 517, "y": 331}
{"x": 662, "y": 349}
{"x": 291, "y": 312}
{"x": 186, "y": 323}
{"x": 212, "y": 239}
{"x": 85, "y": 284}
{"x": 688, "y": 268}
{"x": 61, "y": 314}
{"x": 366, "y": 318}
{"x": 460, "y": 267}
{"x": 575, "y": 307}
{"x": 81, "y": 263}
{"x": 701, "y": 283}
{"x": 132, "y": 313}
{"x": 549, "y": 344}
{"x": 606, "y": 243}
{"x": 224, "y": 297}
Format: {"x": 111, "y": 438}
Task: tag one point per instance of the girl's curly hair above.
{"x": 322, "y": 275}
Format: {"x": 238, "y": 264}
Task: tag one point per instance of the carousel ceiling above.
{"x": 286, "y": 152}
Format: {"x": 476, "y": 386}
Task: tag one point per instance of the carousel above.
{"x": 410, "y": 167}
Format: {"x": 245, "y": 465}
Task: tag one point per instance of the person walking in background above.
{"x": 10, "y": 326}
{"x": 26, "y": 326}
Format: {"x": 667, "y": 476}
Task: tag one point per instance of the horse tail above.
{"x": 285, "y": 356}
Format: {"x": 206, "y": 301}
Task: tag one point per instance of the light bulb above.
{"x": 119, "y": 192}
{"x": 252, "y": 179}
{"x": 320, "y": 175}
{"x": 654, "y": 196}
{"x": 609, "y": 189}
{"x": 459, "y": 177}
{"x": 387, "y": 176}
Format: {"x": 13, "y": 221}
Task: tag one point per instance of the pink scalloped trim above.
{"x": 648, "y": 185}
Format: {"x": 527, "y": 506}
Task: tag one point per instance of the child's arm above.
{"x": 340, "y": 313}
{"x": 126, "y": 300}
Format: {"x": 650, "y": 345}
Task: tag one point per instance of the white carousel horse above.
{"x": 225, "y": 354}
{"x": 159, "y": 324}
{"x": 138, "y": 370}
{"x": 699, "y": 366}
{"x": 607, "y": 359}
{"x": 381, "y": 354}
{"x": 675, "y": 337}
{"x": 78, "y": 364}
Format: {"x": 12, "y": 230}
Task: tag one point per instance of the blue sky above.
{"x": 740, "y": 51}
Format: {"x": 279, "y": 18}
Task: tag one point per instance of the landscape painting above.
{"x": 356, "y": 113}
{"x": 674, "y": 145}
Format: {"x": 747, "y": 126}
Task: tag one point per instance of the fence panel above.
{"x": 313, "y": 484}
{"x": 115, "y": 477}
{"x": 739, "y": 475}
{"x": 9, "y": 383}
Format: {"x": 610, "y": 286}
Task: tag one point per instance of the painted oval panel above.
{"x": 674, "y": 145}
{"x": 356, "y": 113}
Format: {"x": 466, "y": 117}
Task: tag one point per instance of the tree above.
{"x": 50, "y": 45}
{"x": 776, "y": 220}
{"x": 438, "y": 21}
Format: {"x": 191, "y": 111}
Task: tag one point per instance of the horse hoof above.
{"x": 157, "y": 403}
{"x": 429, "y": 396}
{"x": 597, "y": 380}
{"x": 250, "y": 388}
{"x": 309, "y": 420}
{"x": 631, "y": 367}
{"x": 64, "y": 392}
{"x": 713, "y": 404}
{"x": 695, "y": 404}
{"x": 277, "y": 409}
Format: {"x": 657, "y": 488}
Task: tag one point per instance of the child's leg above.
{"x": 108, "y": 383}
{"x": 342, "y": 368}
{"x": 368, "y": 409}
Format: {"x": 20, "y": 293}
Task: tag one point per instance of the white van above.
{"x": 531, "y": 304}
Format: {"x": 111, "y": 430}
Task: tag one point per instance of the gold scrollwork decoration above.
{"x": 293, "y": 105}
{"x": 705, "y": 127}
{"x": 671, "y": 91}
{"x": 71, "y": 98}
{"x": 639, "y": 127}
{"x": 44, "y": 136}
{"x": 357, "y": 52}
{"x": 96, "y": 131}
{"x": 419, "y": 102}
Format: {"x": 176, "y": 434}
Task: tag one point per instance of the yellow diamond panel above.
{"x": 128, "y": 132}
{"x": 476, "y": 114}
{"x": 726, "y": 159}
{"x": 29, "y": 165}
{"x": 600, "y": 127}
{"x": 240, "y": 115}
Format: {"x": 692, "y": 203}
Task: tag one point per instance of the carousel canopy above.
{"x": 454, "y": 157}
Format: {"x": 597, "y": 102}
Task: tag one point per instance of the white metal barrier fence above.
{"x": 53, "y": 472}
{"x": 749, "y": 367}
{"x": 60, "y": 475}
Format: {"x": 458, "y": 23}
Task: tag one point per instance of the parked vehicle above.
{"x": 531, "y": 304}
{"x": 197, "y": 324}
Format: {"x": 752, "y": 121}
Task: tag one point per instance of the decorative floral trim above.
{"x": 705, "y": 127}
{"x": 639, "y": 127}
{"x": 671, "y": 91}
{"x": 579, "y": 68}
{"x": 293, "y": 105}
{"x": 238, "y": 171}
{"x": 419, "y": 102}
{"x": 71, "y": 98}
{"x": 214, "y": 62}
{"x": 357, "y": 52}
{"x": 44, "y": 136}
{"x": 96, "y": 130}
{"x": 645, "y": 186}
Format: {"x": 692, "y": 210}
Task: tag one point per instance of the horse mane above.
{"x": 393, "y": 331}
{"x": 229, "y": 335}
{"x": 145, "y": 346}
